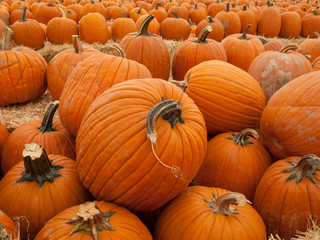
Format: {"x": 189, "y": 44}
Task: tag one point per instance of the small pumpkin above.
{"x": 230, "y": 20}
{"x": 310, "y": 47}
{"x": 8, "y": 229}
{"x": 94, "y": 220}
{"x": 175, "y": 28}
{"x": 218, "y": 29}
{"x": 200, "y": 212}
{"x": 310, "y": 24}
{"x": 121, "y": 27}
{"x": 247, "y": 16}
{"x": 46, "y": 11}
{"x": 272, "y": 44}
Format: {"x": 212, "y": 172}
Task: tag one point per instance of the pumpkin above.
{"x": 225, "y": 108}
{"x": 164, "y": 136}
{"x": 288, "y": 195}
{"x": 121, "y": 27}
{"x": 101, "y": 220}
{"x": 274, "y": 69}
{"x": 269, "y": 22}
{"x": 235, "y": 161}
{"x": 71, "y": 15}
{"x": 117, "y": 11}
{"x": 316, "y": 64}
{"x": 41, "y": 188}
{"x": 22, "y": 72}
{"x": 289, "y": 123}
{"x": 181, "y": 11}
{"x": 17, "y": 14}
{"x": 135, "y": 13}
{"x": 45, "y": 12}
{"x": 61, "y": 29}
{"x": 61, "y": 66}
{"x": 93, "y": 29}
{"x": 197, "y": 14}
{"x": 28, "y": 32}
{"x": 242, "y": 49}
{"x": 310, "y": 47}
{"x": 49, "y": 133}
{"x": 77, "y": 8}
{"x": 291, "y": 25}
{"x": 194, "y": 51}
{"x": 216, "y": 25}
{"x": 5, "y": 16}
{"x": 209, "y": 213}
{"x": 310, "y": 24}
{"x": 91, "y": 78}
{"x": 148, "y": 49}
{"x": 230, "y": 20}
{"x": 175, "y": 28}
{"x": 8, "y": 229}
{"x": 272, "y": 44}
{"x": 216, "y": 7}
{"x": 93, "y": 7}
{"x": 247, "y": 16}
{"x": 159, "y": 13}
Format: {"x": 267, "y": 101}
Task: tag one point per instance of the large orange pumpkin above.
{"x": 274, "y": 69}
{"x": 94, "y": 220}
{"x": 235, "y": 161}
{"x": 290, "y": 122}
{"x": 148, "y": 49}
{"x": 288, "y": 195}
{"x": 49, "y": 133}
{"x": 229, "y": 98}
{"x": 91, "y": 78}
{"x": 61, "y": 66}
{"x": 23, "y": 72}
{"x": 140, "y": 144}
{"x": 209, "y": 213}
{"x": 37, "y": 189}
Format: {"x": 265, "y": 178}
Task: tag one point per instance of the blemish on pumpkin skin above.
{"x": 277, "y": 143}
{"x": 312, "y": 139}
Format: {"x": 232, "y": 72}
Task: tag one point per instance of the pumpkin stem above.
{"x": 170, "y": 111}
{"x": 158, "y": 5}
{"x": 76, "y": 44}
{"x": 117, "y": 51}
{"x": 123, "y": 15}
{"x": 38, "y": 167}
{"x": 191, "y": 23}
{"x": 203, "y": 35}
{"x": 269, "y": 4}
{"x": 264, "y": 41}
{"x": 242, "y": 138}
{"x": 3, "y": 233}
{"x": 90, "y": 219}
{"x": 291, "y": 47}
{"x": 46, "y": 125}
{"x": 63, "y": 14}
{"x": 6, "y": 39}
{"x": 23, "y": 15}
{"x": 143, "y": 30}
{"x": 228, "y": 7}
{"x": 307, "y": 167}
{"x": 244, "y": 35}
{"x": 175, "y": 14}
{"x": 139, "y": 11}
{"x": 211, "y": 20}
{"x": 224, "y": 203}
{"x": 315, "y": 12}
{"x": 92, "y": 2}
{"x": 244, "y": 7}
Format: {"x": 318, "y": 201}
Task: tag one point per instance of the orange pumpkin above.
{"x": 289, "y": 122}
{"x": 247, "y": 16}
{"x": 40, "y": 189}
{"x": 230, "y": 20}
{"x": 234, "y": 161}
{"x": 109, "y": 221}
{"x": 8, "y": 229}
{"x": 148, "y": 49}
{"x": 218, "y": 29}
{"x": 291, "y": 25}
{"x": 269, "y": 22}
{"x": 310, "y": 47}
{"x": 175, "y": 28}
{"x": 154, "y": 26}
{"x": 165, "y": 142}
{"x": 17, "y": 14}
{"x": 316, "y": 64}
{"x": 209, "y": 213}
{"x": 22, "y": 72}
{"x": 272, "y": 44}
{"x": 310, "y": 24}
{"x": 197, "y": 14}
{"x": 225, "y": 108}
{"x": 45, "y": 12}
{"x": 61, "y": 66}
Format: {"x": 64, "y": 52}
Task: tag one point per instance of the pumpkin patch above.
{"x": 176, "y": 119}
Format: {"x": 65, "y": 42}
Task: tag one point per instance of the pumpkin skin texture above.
{"x": 52, "y": 136}
{"x": 149, "y": 50}
{"x": 189, "y": 216}
{"x": 316, "y": 64}
{"x": 23, "y": 74}
{"x": 194, "y": 51}
{"x": 126, "y": 225}
{"x": 134, "y": 178}
{"x": 228, "y": 97}
{"x": 39, "y": 204}
{"x": 234, "y": 161}
{"x": 61, "y": 66}
{"x": 290, "y": 122}
{"x": 242, "y": 49}
{"x": 310, "y": 24}
{"x": 274, "y": 69}
{"x": 8, "y": 229}
{"x": 286, "y": 203}
{"x": 310, "y": 47}
{"x": 230, "y": 21}
{"x": 175, "y": 28}
{"x": 291, "y": 25}
{"x": 86, "y": 83}
{"x": 272, "y": 44}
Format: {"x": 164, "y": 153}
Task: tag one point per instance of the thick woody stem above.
{"x": 47, "y": 125}
{"x": 242, "y": 138}
{"x": 76, "y": 44}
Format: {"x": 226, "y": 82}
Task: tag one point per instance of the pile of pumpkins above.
{"x": 226, "y": 150}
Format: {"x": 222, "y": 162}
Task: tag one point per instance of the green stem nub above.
{"x": 203, "y": 35}
{"x": 90, "y": 219}
{"x": 244, "y": 35}
{"x": 38, "y": 167}
{"x": 47, "y": 125}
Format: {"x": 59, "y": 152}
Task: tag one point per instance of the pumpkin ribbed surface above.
{"x": 115, "y": 158}
{"x": 228, "y": 97}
